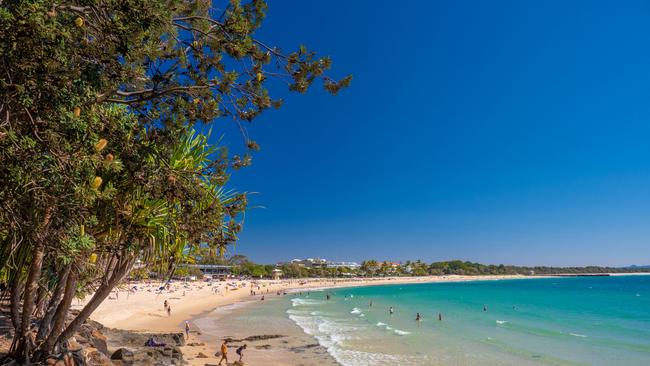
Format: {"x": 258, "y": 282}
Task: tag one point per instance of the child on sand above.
{"x": 224, "y": 352}
{"x": 187, "y": 329}
{"x": 240, "y": 352}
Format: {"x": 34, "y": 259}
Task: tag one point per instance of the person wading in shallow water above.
{"x": 224, "y": 352}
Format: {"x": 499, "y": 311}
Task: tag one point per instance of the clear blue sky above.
{"x": 512, "y": 132}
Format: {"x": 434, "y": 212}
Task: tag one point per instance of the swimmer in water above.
{"x": 391, "y": 310}
{"x": 418, "y": 317}
{"x": 440, "y": 316}
{"x": 484, "y": 307}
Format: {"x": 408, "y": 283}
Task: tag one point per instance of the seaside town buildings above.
{"x": 322, "y": 263}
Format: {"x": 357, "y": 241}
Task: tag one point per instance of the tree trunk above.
{"x": 41, "y": 298}
{"x": 46, "y": 322}
{"x": 29, "y": 295}
{"x": 61, "y": 312}
{"x": 16, "y": 290}
{"x": 123, "y": 267}
{"x": 21, "y": 353}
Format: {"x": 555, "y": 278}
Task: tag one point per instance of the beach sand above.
{"x": 143, "y": 310}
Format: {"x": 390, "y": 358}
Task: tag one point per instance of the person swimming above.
{"x": 370, "y": 305}
{"x": 484, "y": 307}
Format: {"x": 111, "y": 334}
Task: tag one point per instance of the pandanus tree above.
{"x": 99, "y": 164}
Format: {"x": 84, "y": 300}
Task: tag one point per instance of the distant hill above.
{"x": 635, "y": 266}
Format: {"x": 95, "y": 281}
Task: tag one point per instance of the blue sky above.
{"x": 501, "y": 132}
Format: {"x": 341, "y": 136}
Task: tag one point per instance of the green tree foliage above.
{"x": 100, "y": 159}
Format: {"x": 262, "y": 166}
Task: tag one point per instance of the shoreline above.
{"x": 143, "y": 310}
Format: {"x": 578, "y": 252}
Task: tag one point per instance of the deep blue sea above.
{"x": 550, "y": 321}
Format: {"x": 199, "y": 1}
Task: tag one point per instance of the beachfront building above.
{"x": 213, "y": 270}
{"x": 350, "y": 265}
{"x": 322, "y": 263}
{"x": 310, "y": 262}
{"x": 276, "y": 274}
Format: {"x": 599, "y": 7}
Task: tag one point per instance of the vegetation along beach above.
{"x": 355, "y": 183}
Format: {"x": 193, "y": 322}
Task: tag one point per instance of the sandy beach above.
{"x": 140, "y": 307}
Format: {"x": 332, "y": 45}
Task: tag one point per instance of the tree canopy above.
{"x": 104, "y": 158}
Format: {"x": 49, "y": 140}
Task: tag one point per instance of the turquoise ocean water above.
{"x": 557, "y": 321}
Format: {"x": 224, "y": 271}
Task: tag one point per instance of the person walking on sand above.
{"x": 165, "y": 304}
{"x": 169, "y": 310}
{"x": 240, "y": 352}
{"x": 224, "y": 351}
{"x": 187, "y": 329}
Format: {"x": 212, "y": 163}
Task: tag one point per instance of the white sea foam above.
{"x": 401, "y": 332}
{"x": 578, "y": 335}
{"x": 304, "y": 302}
{"x": 380, "y": 324}
{"x": 355, "y": 311}
{"x": 501, "y": 321}
{"x": 333, "y": 333}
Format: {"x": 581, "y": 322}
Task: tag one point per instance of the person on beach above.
{"x": 370, "y": 305}
{"x": 169, "y": 310}
{"x": 391, "y": 310}
{"x": 440, "y": 316}
{"x": 240, "y": 352}
{"x": 224, "y": 352}
{"x": 166, "y": 304}
{"x": 187, "y": 329}
{"x": 418, "y": 317}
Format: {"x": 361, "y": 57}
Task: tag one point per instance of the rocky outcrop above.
{"x": 129, "y": 348}
{"x": 96, "y": 345}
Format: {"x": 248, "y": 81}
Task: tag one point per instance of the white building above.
{"x": 351, "y": 265}
{"x": 310, "y": 262}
